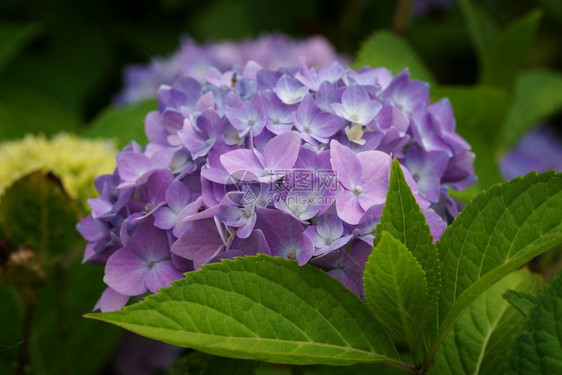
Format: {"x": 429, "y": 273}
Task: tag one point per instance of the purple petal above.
{"x": 161, "y": 275}
{"x": 242, "y": 160}
{"x": 289, "y": 90}
{"x": 281, "y": 151}
{"x": 200, "y": 242}
{"x": 111, "y": 300}
{"x": 346, "y": 164}
{"x": 348, "y": 207}
{"x": 125, "y": 272}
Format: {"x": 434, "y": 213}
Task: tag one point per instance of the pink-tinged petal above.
{"x": 125, "y": 272}
{"x": 375, "y": 169}
{"x": 346, "y": 164}
{"x": 111, "y": 300}
{"x": 161, "y": 274}
{"x": 281, "y": 151}
{"x": 242, "y": 160}
{"x": 348, "y": 207}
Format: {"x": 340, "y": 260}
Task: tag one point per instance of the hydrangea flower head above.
{"x": 75, "y": 161}
{"x": 208, "y": 62}
{"x": 293, "y": 162}
{"x": 538, "y": 150}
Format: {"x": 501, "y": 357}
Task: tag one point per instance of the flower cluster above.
{"x": 292, "y": 162}
{"x": 540, "y": 149}
{"x": 75, "y": 161}
{"x": 272, "y": 51}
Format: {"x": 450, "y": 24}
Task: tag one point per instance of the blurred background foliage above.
{"x": 61, "y": 61}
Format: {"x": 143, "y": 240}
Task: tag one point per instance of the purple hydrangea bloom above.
{"x": 209, "y": 62}
{"x": 292, "y": 163}
{"x": 540, "y": 149}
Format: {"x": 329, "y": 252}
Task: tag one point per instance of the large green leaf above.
{"x": 538, "y": 349}
{"x": 484, "y": 31}
{"x": 24, "y": 110}
{"x": 386, "y": 50}
{"x": 501, "y": 53}
{"x": 480, "y": 341}
{"x": 403, "y": 218}
{"x": 11, "y": 318}
{"x": 537, "y": 95}
{"x": 396, "y": 289}
{"x": 36, "y": 211}
{"x": 13, "y": 38}
{"x": 522, "y": 301}
{"x": 479, "y": 112}
{"x": 499, "y": 231}
{"x": 123, "y": 124}
{"x": 63, "y": 342}
{"x": 507, "y": 56}
{"x": 262, "y": 308}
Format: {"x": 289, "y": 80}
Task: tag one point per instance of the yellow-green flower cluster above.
{"x": 74, "y": 160}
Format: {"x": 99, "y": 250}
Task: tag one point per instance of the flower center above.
{"x": 357, "y": 190}
{"x": 292, "y": 253}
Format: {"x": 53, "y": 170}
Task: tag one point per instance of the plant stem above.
{"x": 401, "y": 23}
{"x": 22, "y": 366}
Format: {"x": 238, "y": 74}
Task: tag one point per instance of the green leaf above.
{"x": 197, "y": 363}
{"x": 36, "y": 211}
{"x": 484, "y": 31}
{"x": 396, "y": 289}
{"x": 63, "y": 342}
{"x": 480, "y": 341}
{"x": 506, "y": 58}
{"x": 263, "y": 308}
{"x": 498, "y": 232}
{"x": 11, "y": 318}
{"x": 522, "y": 301}
{"x": 386, "y": 50}
{"x": 501, "y": 53}
{"x": 479, "y": 112}
{"x": 24, "y": 110}
{"x": 13, "y": 38}
{"x": 123, "y": 124}
{"x": 403, "y": 218}
{"x": 538, "y": 349}
{"x": 537, "y": 96}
